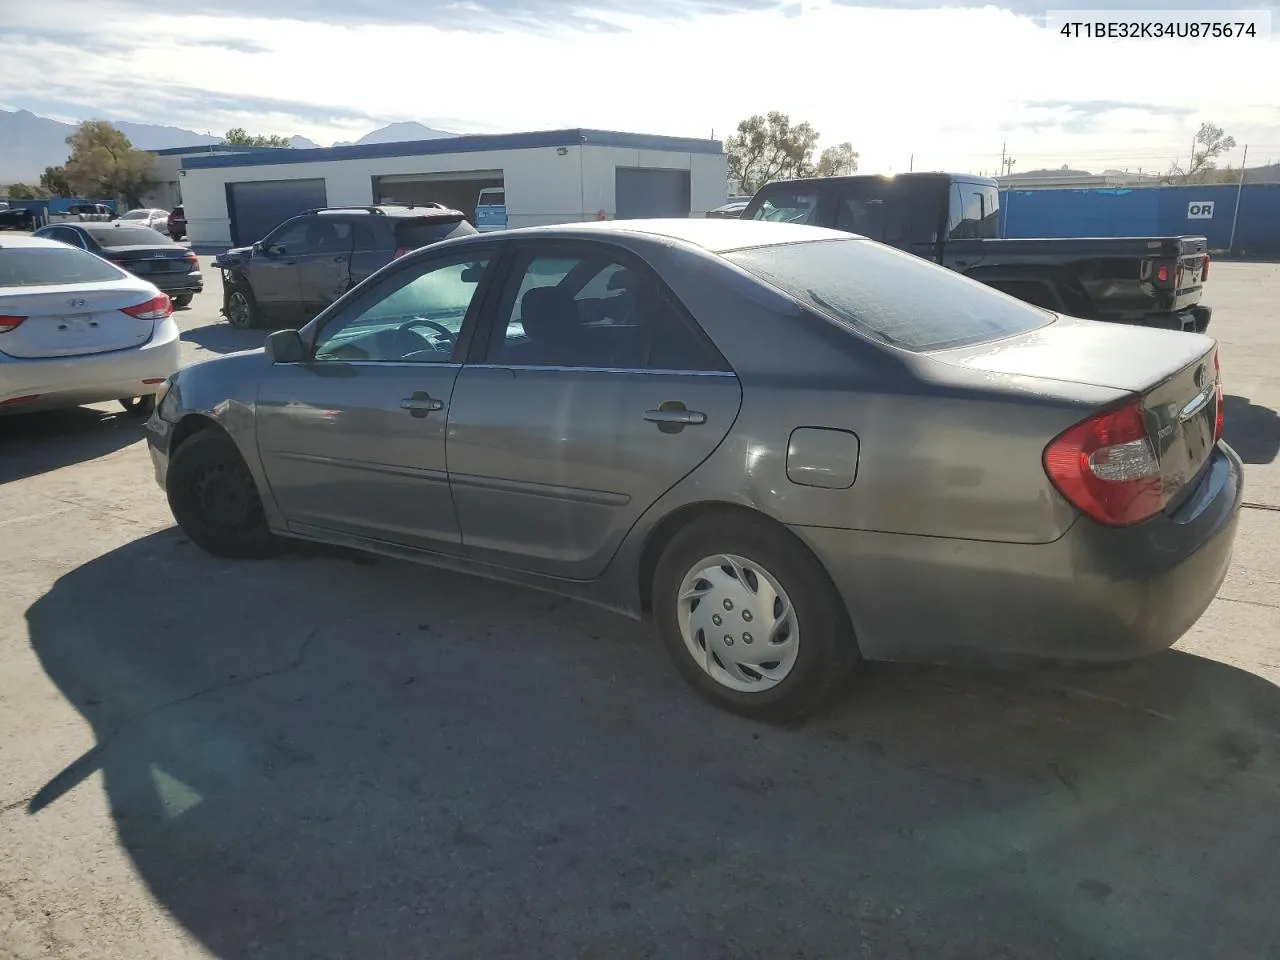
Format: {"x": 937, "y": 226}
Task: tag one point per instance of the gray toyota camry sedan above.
{"x": 790, "y": 447}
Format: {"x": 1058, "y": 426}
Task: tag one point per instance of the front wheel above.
{"x": 214, "y": 499}
{"x": 242, "y": 309}
{"x": 751, "y": 618}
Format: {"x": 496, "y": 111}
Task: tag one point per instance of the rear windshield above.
{"x": 420, "y": 233}
{"x": 136, "y": 215}
{"x": 45, "y": 266}
{"x": 130, "y": 237}
{"x": 889, "y": 295}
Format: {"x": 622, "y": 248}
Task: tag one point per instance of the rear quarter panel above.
{"x": 943, "y": 451}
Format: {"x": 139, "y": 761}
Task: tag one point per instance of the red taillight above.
{"x": 1163, "y": 273}
{"x": 400, "y": 252}
{"x": 1221, "y": 417}
{"x": 157, "y": 308}
{"x": 10, "y": 323}
{"x": 1107, "y": 468}
{"x": 1204, "y": 271}
{"x": 16, "y": 400}
{"x": 191, "y": 259}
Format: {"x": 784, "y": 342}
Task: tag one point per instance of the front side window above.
{"x": 594, "y": 310}
{"x": 890, "y": 296}
{"x": 290, "y": 239}
{"x": 417, "y": 320}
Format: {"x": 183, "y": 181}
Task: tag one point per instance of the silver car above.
{"x": 155, "y": 219}
{"x": 791, "y": 447}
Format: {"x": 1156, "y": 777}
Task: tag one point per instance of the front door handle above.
{"x": 420, "y": 404}
{"x": 679, "y": 415}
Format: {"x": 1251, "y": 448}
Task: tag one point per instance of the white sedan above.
{"x": 155, "y": 219}
{"x": 76, "y": 329}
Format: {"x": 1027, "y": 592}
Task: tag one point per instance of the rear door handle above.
{"x": 420, "y": 404}
{"x": 681, "y": 416}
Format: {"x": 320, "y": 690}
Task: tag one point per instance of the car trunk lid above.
{"x": 1173, "y": 374}
{"x": 56, "y": 322}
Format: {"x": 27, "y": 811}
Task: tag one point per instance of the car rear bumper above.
{"x": 181, "y": 283}
{"x": 93, "y": 378}
{"x": 1096, "y": 594}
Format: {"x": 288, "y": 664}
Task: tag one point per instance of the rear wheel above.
{"x": 242, "y": 309}
{"x": 214, "y": 498}
{"x": 183, "y": 300}
{"x": 139, "y": 406}
{"x": 751, "y": 618}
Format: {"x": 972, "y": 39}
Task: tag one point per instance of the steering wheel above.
{"x": 440, "y": 328}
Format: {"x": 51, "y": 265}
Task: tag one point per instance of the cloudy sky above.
{"x": 949, "y": 84}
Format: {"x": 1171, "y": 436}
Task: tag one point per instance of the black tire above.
{"x": 242, "y": 308}
{"x": 183, "y": 300}
{"x": 827, "y": 648}
{"x": 139, "y": 406}
{"x": 214, "y": 499}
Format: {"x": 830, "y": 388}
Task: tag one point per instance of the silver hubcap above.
{"x": 738, "y": 623}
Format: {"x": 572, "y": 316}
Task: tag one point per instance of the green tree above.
{"x": 22, "y": 191}
{"x": 838, "y": 161}
{"x": 769, "y": 147}
{"x": 1211, "y": 142}
{"x": 54, "y": 179}
{"x": 103, "y": 164}
{"x": 238, "y": 137}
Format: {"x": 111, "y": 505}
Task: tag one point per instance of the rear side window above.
{"x": 421, "y": 233}
{"x": 38, "y": 267}
{"x": 130, "y": 237}
{"x": 891, "y": 296}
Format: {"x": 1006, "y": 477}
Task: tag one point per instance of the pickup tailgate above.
{"x": 1174, "y": 373}
{"x": 1180, "y": 267}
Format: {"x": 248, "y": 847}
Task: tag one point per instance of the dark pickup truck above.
{"x": 954, "y": 220}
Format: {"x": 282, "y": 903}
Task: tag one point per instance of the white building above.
{"x": 167, "y": 169}
{"x": 548, "y": 177}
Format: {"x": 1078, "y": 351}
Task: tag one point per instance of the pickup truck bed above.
{"x": 1095, "y": 277}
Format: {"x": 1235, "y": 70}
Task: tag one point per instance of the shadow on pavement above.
{"x": 224, "y": 338}
{"x": 1252, "y": 429}
{"x": 311, "y": 758}
{"x": 35, "y": 443}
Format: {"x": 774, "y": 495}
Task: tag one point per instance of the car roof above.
{"x": 711, "y": 234}
{"x": 19, "y": 240}
{"x": 391, "y": 210}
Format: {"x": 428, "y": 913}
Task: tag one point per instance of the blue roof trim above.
{"x": 465, "y": 144}
{"x": 200, "y": 148}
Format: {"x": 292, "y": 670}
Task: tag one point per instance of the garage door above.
{"x": 255, "y": 207}
{"x": 458, "y": 191}
{"x": 651, "y": 193}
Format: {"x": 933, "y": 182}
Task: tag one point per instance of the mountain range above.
{"x": 29, "y": 143}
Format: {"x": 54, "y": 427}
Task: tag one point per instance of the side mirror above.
{"x": 285, "y": 346}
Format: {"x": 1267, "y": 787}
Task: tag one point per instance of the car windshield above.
{"x": 48, "y": 266}
{"x": 892, "y": 296}
{"x": 788, "y": 208}
{"x": 130, "y": 237}
{"x": 136, "y": 215}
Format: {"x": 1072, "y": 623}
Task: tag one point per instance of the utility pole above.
{"x": 912, "y": 164}
{"x": 1002, "y": 152}
{"x": 1239, "y": 190}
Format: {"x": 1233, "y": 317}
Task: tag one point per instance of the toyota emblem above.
{"x": 76, "y": 302}
{"x": 1200, "y": 375}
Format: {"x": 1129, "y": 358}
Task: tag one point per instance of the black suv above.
{"x": 310, "y": 260}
